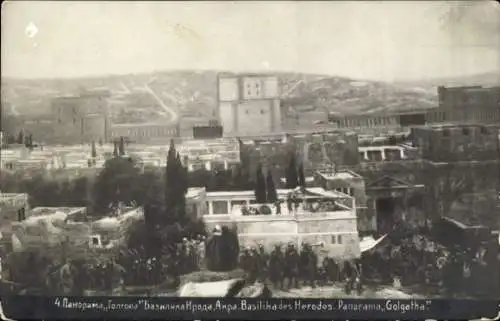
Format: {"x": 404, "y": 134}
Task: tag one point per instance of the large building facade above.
{"x": 81, "y": 118}
{"x": 249, "y": 104}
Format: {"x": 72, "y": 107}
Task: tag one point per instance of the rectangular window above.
{"x": 336, "y": 239}
{"x": 220, "y": 207}
{"x": 237, "y": 203}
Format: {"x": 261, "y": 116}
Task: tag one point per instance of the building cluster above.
{"x": 435, "y": 164}
{"x": 473, "y": 104}
{"x": 196, "y": 154}
{"x": 23, "y": 227}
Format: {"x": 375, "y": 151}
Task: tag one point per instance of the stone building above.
{"x": 81, "y": 118}
{"x": 249, "y": 104}
{"x": 461, "y": 166}
{"x": 474, "y": 104}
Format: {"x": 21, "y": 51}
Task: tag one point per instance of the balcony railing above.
{"x": 289, "y": 209}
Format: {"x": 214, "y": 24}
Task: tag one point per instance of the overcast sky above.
{"x": 368, "y": 40}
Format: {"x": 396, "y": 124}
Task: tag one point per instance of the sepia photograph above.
{"x": 260, "y": 149}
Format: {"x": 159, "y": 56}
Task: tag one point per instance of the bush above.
{"x": 264, "y": 209}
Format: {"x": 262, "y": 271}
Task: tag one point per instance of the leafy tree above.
{"x": 260, "y": 186}
{"x": 302, "y": 178}
{"x": 272, "y": 195}
{"x": 117, "y": 182}
{"x": 292, "y": 180}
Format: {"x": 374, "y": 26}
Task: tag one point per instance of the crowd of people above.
{"x": 419, "y": 261}
{"x": 132, "y": 268}
{"x": 414, "y": 260}
{"x": 286, "y": 267}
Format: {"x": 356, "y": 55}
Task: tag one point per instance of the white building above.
{"x": 325, "y": 219}
{"x": 249, "y": 104}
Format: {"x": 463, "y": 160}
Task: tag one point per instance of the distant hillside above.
{"x": 483, "y": 79}
{"x": 193, "y": 93}
{"x": 350, "y": 96}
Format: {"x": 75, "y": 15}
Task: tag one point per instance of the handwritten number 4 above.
{"x": 56, "y": 302}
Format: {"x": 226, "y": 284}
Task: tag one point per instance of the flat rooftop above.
{"x": 37, "y": 211}
{"x": 342, "y": 175}
{"x": 141, "y": 125}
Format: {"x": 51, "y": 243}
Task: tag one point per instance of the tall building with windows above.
{"x": 249, "y": 104}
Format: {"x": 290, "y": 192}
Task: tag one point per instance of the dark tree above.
{"x": 171, "y": 178}
{"x": 302, "y": 178}
{"x": 121, "y": 147}
{"x": 176, "y": 185}
{"x": 260, "y": 186}
{"x": 117, "y": 182}
{"x": 115, "y": 149}
{"x": 292, "y": 180}
{"x": 29, "y": 141}
{"x": 20, "y": 137}
{"x": 93, "y": 151}
{"x": 223, "y": 250}
{"x": 100, "y": 142}
{"x": 272, "y": 195}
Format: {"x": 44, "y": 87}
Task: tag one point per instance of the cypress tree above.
{"x": 292, "y": 181}
{"x": 272, "y": 195}
{"x": 170, "y": 176}
{"x": 93, "y": 150}
{"x": 115, "y": 149}
{"x": 29, "y": 141}
{"x": 20, "y": 138}
{"x": 93, "y": 154}
{"x": 121, "y": 146}
{"x": 260, "y": 186}
{"x": 302, "y": 178}
{"x": 183, "y": 175}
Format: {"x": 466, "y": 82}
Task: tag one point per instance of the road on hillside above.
{"x": 173, "y": 114}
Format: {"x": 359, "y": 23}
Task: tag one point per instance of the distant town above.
{"x": 409, "y": 197}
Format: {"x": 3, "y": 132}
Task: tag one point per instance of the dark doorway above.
{"x": 21, "y": 214}
{"x": 385, "y": 214}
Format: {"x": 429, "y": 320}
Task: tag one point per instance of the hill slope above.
{"x": 193, "y": 93}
